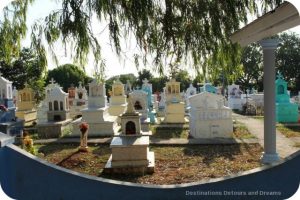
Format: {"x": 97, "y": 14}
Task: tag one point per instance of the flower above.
{"x": 83, "y": 127}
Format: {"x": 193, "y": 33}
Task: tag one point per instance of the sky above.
{"x": 114, "y": 64}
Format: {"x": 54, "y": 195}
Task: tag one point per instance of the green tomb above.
{"x": 285, "y": 110}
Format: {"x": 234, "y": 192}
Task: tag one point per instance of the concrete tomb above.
{"x": 58, "y": 113}
{"x": 285, "y": 110}
{"x": 209, "y": 118}
{"x": 96, "y": 114}
{"x": 26, "y": 105}
{"x": 78, "y": 99}
{"x": 175, "y": 107}
{"x": 9, "y": 123}
{"x": 234, "y": 97}
{"x": 130, "y": 147}
{"x": 117, "y": 101}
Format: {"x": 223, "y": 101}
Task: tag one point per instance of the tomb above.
{"x": 58, "y": 113}
{"x": 174, "y": 107}
{"x": 189, "y": 92}
{"x": 117, "y": 100}
{"x": 209, "y": 118}
{"x": 207, "y": 87}
{"x": 26, "y": 106}
{"x": 147, "y": 87}
{"x": 234, "y": 97}
{"x": 79, "y": 100}
{"x": 9, "y": 123}
{"x": 161, "y": 104}
{"x": 130, "y": 147}
{"x": 285, "y": 110}
{"x": 96, "y": 114}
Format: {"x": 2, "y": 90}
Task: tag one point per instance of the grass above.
{"x": 289, "y": 131}
{"x": 258, "y": 117}
{"x": 240, "y": 131}
{"x": 173, "y": 164}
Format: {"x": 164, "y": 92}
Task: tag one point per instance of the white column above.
{"x": 269, "y": 155}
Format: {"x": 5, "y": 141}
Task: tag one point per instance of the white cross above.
{"x": 52, "y": 81}
{"x": 145, "y": 81}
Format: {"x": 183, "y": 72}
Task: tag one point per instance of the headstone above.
{"x": 58, "y": 113}
{"x": 79, "y": 101}
{"x": 190, "y": 92}
{"x": 140, "y": 103}
{"x": 147, "y": 87}
{"x": 117, "y": 101}
{"x": 285, "y": 110}
{"x": 26, "y": 106}
{"x": 174, "y": 106}
{"x": 96, "y": 114}
{"x": 209, "y": 118}
{"x": 130, "y": 147}
{"x": 234, "y": 97}
{"x": 207, "y": 87}
{"x": 9, "y": 124}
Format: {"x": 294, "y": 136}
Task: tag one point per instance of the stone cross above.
{"x": 52, "y": 81}
{"x": 279, "y": 76}
{"x": 145, "y": 81}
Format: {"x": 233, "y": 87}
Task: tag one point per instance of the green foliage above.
{"x": 68, "y": 74}
{"x": 24, "y": 69}
{"x": 158, "y": 83}
{"x": 144, "y": 74}
{"x": 171, "y": 30}
{"x": 252, "y": 65}
{"x": 288, "y": 60}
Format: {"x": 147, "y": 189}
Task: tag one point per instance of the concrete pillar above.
{"x": 269, "y": 155}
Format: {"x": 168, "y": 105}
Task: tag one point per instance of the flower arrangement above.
{"x": 28, "y": 144}
{"x": 83, "y": 127}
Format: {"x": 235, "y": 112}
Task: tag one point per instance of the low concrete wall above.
{"x": 24, "y": 176}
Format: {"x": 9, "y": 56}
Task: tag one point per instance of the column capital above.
{"x": 269, "y": 43}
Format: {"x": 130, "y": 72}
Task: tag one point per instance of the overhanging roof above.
{"x": 284, "y": 17}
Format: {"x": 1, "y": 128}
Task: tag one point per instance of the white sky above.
{"x": 114, "y": 64}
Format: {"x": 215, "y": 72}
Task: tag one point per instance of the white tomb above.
{"x": 130, "y": 147}
{"x": 209, "y": 118}
{"x": 140, "y": 103}
{"x": 190, "y": 92}
{"x": 117, "y": 101}
{"x": 96, "y": 114}
{"x": 175, "y": 107}
{"x": 79, "y": 100}
{"x": 234, "y": 97}
{"x": 58, "y": 113}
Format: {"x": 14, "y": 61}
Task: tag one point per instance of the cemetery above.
{"x": 175, "y": 128}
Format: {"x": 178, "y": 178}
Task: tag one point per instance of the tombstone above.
{"x": 174, "y": 106}
{"x": 130, "y": 147}
{"x": 234, "y": 97}
{"x": 9, "y": 124}
{"x": 286, "y": 111}
{"x": 96, "y": 114}
{"x": 147, "y": 87}
{"x": 190, "y": 92}
{"x": 209, "y": 118}
{"x": 58, "y": 113}
{"x": 26, "y": 106}
{"x": 207, "y": 87}
{"x": 71, "y": 92}
{"x": 128, "y": 87}
{"x": 162, "y": 104}
{"x": 117, "y": 101}
{"x": 79, "y": 100}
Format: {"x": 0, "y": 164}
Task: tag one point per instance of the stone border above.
{"x": 6, "y": 140}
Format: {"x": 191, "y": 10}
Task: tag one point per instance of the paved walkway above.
{"x": 285, "y": 146}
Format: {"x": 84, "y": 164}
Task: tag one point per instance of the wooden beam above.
{"x": 282, "y": 18}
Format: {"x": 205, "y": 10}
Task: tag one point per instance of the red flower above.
{"x": 83, "y": 127}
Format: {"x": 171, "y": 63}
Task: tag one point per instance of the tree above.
{"x": 144, "y": 74}
{"x": 68, "y": 74}
{"x": 252, "y": 68}
{"x": 25, "y": 69}
{"x": 288, "y": 60}
{"x": 183, "y": 77}
{"x": 171, "y": 30}
{"x": 158, "y": 83}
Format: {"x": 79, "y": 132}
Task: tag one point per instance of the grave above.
{"x": 79, "y": 99}
{"x": 147, "y": 87}
{"x": 58, "y": 113}
{"x": 130, "y": 147}
{"x": 174, "y": 107}
{"x": 162, "y": 104}
{"x": 234, "y": 97}
{"x": 96, "y": 114}
{"x": 208, "y": 87}
{"x": 209, "y": 118}
{"x": 9, "y": 123}
{"x": 26, "y": 105}
{"x": 286, "y": 111}
{"x": 117, "y": 100}
{"x": 189, "y": 92}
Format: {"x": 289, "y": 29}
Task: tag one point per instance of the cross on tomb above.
{"x": 52, "y": 81}
{"x": 145, "y": 81}
{"x": 279, "y": 75}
